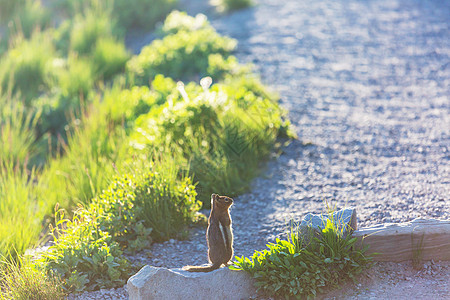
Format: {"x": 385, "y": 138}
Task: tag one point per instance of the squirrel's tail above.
{"x": 202, "y": 268}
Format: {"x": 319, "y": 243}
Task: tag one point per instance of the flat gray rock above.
{"x": 161, "y": 283}
{"x": 345, "y": 220}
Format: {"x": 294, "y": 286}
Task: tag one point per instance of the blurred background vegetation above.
{"x": 113, "y": 150}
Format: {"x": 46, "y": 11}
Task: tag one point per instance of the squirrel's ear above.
{"x": 213, "y": 197}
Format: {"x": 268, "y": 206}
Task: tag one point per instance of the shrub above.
{"x": 128, "y": 13}
{"x": 293, "y": 268}
{"x": 74, "y": 77}
{"x": 183, "y": 55}
{"x": 230, "y": 5}
{"x": 23, "y": 280}
{"x": 24, "y": 67}
{"x": 128, "y": 104}
{"x": 33, "y": 16}
{"x": 88, "y": 28}
{"x": 219, "y": 66}
{"x": 159, "y": 203}
{"x": 141, "y": 13}
{"x": 223, "y": 133}
{"x": 181, "y": 21}
{"x": 109, "y": 57}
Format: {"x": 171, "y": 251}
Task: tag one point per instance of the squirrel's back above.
{"x": 219, "y": 235}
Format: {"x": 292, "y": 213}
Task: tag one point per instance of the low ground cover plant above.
{"x": 302, "y": 267}
{"x": 135, "y": 210}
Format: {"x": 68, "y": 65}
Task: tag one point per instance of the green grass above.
{"x": 9, "y": 9}
{"x": 74, "y": 77}
{"x": 87, "y": 29}
{"x": 30, "y": 17}
{"x": 24, "y": 280}
{"x": 152, "y": 203}
{"x": 23, "y": 69}
{"x": 87, "y": 165}
{"x": 141, "y": 13}
{"x": 17, "y": 137}
{"x": 109, "y": 57}
{"x": 21, "y": 211}
{"x": 129, "y": 14}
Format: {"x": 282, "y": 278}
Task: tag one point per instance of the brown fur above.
{"x": 220, "y": 242}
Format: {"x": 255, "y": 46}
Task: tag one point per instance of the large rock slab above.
{"x": 161, "y": 283}
{"x": 420, "y": 239}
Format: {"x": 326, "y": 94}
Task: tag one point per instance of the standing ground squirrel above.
{"x": 218, "y": 235}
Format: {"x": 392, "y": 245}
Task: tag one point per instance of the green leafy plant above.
{"x": 87, "y": 251}
{"x": 222, "y": 132}
{"x": 23, "y": 280}
{"x": 183, "y": 55}
{"x": 295, "y": 268}
{"x": 181, "y": 21}
{"x": 84, "y": 256}
{"x": 136, "y": 206}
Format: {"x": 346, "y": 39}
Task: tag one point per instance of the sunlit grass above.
{"x": 87, "y": 165}
{"x": 21, "y": 210}
{"x": 24, "y": 280}
{"x": 23, "y": 69}
{"x": 17, "y": 132}
{"x": 87, "y": 29}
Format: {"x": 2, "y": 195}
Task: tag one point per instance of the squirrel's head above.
{"x": 221, "y": 201}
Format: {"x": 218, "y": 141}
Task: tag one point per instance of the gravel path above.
{"x": 367, "y": 84}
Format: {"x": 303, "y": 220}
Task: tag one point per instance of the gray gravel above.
{"x": 367, "y": 84}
